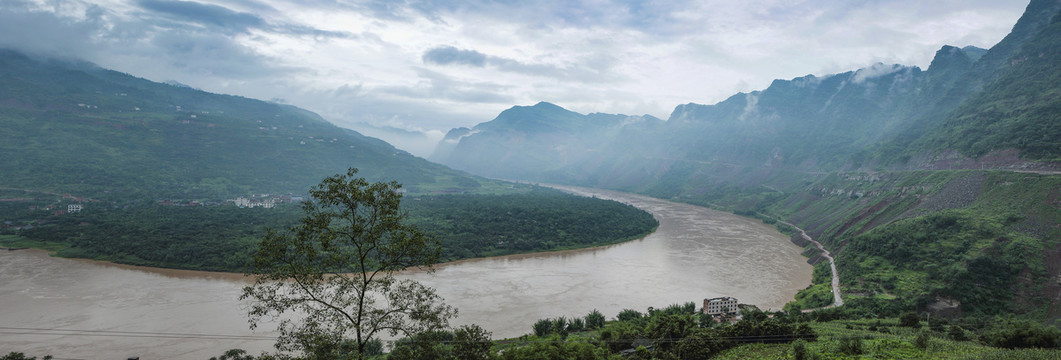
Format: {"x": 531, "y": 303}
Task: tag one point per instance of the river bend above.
{"x": 125, "y": 311}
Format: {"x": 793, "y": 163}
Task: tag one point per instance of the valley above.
{"x": 851, "y": 205}
{"x": 707, "y": 253}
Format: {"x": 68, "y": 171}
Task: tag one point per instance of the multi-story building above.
{"x": 720, "y": 305}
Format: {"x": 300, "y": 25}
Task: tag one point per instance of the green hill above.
{"x": 1019, "y": 110}
{"x": 74, "y": 128}
{"x": 937, "y": 189}
{"x": 147, "y": 170}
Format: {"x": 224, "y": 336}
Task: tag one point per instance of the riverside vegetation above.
{"x": 122, "y": 147}
{"x": 675, "y": 332}
{"x": 321, "y": 256}
{"x": 871, "y": 326}
{"x": 936, "y": 190}
{"x": 906, "y": 175}
{"x": 223, "y": 238}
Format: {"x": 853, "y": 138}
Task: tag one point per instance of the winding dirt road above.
{"x": 837, "y": 300}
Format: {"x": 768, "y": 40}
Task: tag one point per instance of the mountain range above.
{"x": 936, "y": 189}
{"x": 72, "y": 127}
{"x": 971, "y": 108}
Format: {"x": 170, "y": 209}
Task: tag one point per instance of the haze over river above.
{"x": 123, "y": 311}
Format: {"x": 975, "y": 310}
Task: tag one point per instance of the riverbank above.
{"x": 224, "y": 239}
{"x": 13, "y": 242}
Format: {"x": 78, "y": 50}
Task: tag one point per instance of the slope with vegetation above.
{"x": 154, "y": 169}
{"x": 936, "y": 189}
{"x": 680, "y": 332}
{"x": 223, "y": 238}
{"x": 75, "y": 128}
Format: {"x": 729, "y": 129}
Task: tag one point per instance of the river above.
{"x": 79, "y": 309}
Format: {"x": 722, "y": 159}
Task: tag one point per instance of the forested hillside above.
{"x": 223, "y": 238}
{"x": 937, "y": 188}
{"x": 71, "y": 127}
{"x": 104, "y": 165}
{"x": 972, "y": 108}
{"x": 1019, "y": 110}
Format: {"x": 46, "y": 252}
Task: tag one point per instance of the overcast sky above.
{"x": 435, "y": 65}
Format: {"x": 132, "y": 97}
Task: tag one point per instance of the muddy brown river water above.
{"x": 77, "y": 309}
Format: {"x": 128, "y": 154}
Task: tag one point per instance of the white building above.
{"x": 243, "y": 202}
{"x": 266, "y": 203}
{"x": 73, "y": 208}
{"x": 720, "y": 305}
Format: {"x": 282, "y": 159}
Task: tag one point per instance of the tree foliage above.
{"x": 594, "y": 320}
{"x": 910, "y": 319}
{"x": 334, "y": 270}
{"x": 223, "y": 237}
{"x": 1022, "y": 334}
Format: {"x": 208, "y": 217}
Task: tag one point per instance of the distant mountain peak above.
{"x": 876, "y": 70}
{"x": 178, "y": 84}
{"x": 548, "y": 105}
{"x": 949, "y": 57}
{"x": 974, "y": 52}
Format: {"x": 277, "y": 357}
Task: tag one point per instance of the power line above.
{"x": 132, "y": 334}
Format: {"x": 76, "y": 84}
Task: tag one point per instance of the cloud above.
{"x": 593, "y": 69}
{"x": 435, "y": 85}
{"x": 875, "y": 71}
{"x": 226, "y": 20}
{"x": 205, "y": 14}
{"x": 46, "y": 33}
{"x": 216, "y": 57}
{"x": 443, "y": 64}
{"x": 447, "y": 55}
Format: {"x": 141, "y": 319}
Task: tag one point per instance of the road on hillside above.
{"x": 837, "y": 300}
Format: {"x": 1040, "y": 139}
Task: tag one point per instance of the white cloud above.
{"x": 875, "y": 71}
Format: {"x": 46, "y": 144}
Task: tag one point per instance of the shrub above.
{"x": 594, "y": 320}
{"x": 921, "y": 341}
{"x": 956, "y": 333}
{"x": 543, "y": 327}
{"x": 806, "y": 332}
{"x": 937, "y": 324}
{"x": 21, "y": 356}
{"x": 799, "y": 349}
{"x": 472, "y": 342}
{"x": 560, "y": 326}
{"x": 620, "y": 336}
{"x": 689, "y": 308}
{"x": 628, "y": 315}
{"x": 910, "y": 319}
{"x": 850, "y": 345}
{"x": 425, "y": 345}
{"x": 576, "y": 324}
{"x": 1023, "y": 334}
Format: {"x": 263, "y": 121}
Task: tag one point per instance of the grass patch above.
{"x": 17, "y": 242}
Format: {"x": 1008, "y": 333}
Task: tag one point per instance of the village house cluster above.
{"x": 264, "y": 201}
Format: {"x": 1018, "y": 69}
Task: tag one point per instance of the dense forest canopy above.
{"x": 223, "y": 237}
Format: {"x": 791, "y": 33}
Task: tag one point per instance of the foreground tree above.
{"x": 471, "y": 342}
{"x": 333, "y": 272}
